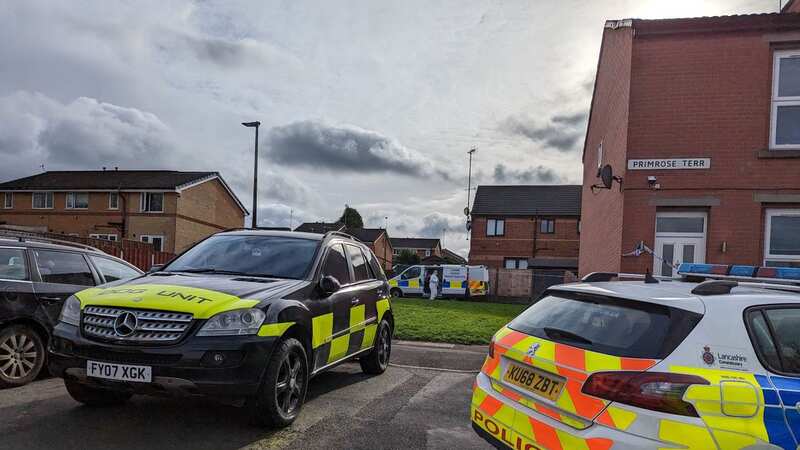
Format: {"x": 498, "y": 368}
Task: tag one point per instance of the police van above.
{"x": 708, "y": 361}
{"x": 454, "y": 280}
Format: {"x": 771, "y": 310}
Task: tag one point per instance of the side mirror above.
{"x": 329, "y": 285}
{"x": 155, "y": 268}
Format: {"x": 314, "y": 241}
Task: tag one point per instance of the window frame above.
{"x": 494, "y": 229}
{"x": 106, "y": 238}
{"x": 110, "y": 196}
{"x": 48, "y": 196}
{"x": 550, "y": 229}
{"x": 6, "y": 203}
{"x": 93, "y": 259}
{"x": 516, "y": 263}
{"x": 26, "y": 260}
{"x": 768, "y": 215}
{"x": 324, "y": 260}
{"x": 776, "y": 100}
{"x": 370, "y": 276}
{"x": 143, "y": 202}
{"x": 150, "y": 237}
{"x": 96, "y": 278}
{"x": 73, "y": 195}
{"x": 751, "y": 335}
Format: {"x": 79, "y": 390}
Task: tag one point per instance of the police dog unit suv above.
{"x": 245, "y": 316}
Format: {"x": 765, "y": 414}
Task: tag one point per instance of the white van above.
{"x": 454, "y": 281}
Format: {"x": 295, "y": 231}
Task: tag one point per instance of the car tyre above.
{"x": 95, "y": 397}
{"x": 283, "y": 390}
{"x": 22, "y": 356}
{"x": 376, "y": 361}
{"x": 396, "y": 293}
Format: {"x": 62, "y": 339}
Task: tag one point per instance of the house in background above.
{"x": 377, "y": 239}
{"x": 169, "y": 209}
{"x": 701, "y": 119}
{"x": 448, "y": 257}
{"x": 526, "y": 227}
{"x": 423, "y": 247}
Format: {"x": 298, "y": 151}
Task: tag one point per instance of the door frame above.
{"x": 682, "y": 238}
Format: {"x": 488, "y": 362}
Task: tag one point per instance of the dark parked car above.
{"x": 36, "y": 276}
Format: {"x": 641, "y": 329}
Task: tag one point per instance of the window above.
{"x": 12, "y": 264}
{"x": 782, "y": 238}
{"x": 775, "y": 332}
{"x": 63, "y": 268}
{"x": 515, "y": 263}
{"x": 336, "y": 265}
{"x": 77, "y": 200}
{"x": 608, "y": 325}
{"x": 264, "y": 256}
{"x": 42, "y": 200}
{"x": 547, "y": 226}
{"x": 495, "y": 227}
{"x": 673, "y": 224}
{"x": 785, "y": 129}
{"x": 156, "y": 240}
{"x": 8, "y": 200}
{"x": 152, "y": 202}
{"x": 113, "y": 200}
{"x": 359, "y": 263}
{"x": 427, "y": 252}
{"x": 114, "y": 270}
{"x": 105, "y": 237}
{"x": 411, "y": 273}
{"x": 396, "y": 252}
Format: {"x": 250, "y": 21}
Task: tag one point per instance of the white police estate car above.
{"x": 708, "y": 361}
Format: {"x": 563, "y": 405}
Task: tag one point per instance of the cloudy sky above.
{"x": 368, "y": 103}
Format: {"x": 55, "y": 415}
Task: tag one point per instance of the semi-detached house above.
{"x": 168, "y": 209}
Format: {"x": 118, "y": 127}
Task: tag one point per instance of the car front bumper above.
{"x": 186, "y": 368}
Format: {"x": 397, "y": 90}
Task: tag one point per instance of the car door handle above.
{"x": 51, "y": 299}
{"x": 355, "y": 301}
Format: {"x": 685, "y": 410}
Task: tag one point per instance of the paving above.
{"x": 405, "y": 408}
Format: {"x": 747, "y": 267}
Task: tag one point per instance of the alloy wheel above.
{"x": 384, "y": 347}
{"x": 290, "y": 385}
{"x": 18, "y": 356}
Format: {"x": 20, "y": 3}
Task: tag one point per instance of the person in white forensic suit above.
{"x": 434, "y": 285}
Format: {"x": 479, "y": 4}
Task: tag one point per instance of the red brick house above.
{"x": 423, "y": 247}
{"x": 376, "y": 239}
{"x": 526, "y": 227}
{"x": 700, "y": 117}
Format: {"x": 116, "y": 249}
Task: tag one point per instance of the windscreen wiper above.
{"x": 210, "y": 270}
{"x": 559, "y": 333}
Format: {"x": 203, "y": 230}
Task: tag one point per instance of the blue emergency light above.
{"x": 740, "y": 271}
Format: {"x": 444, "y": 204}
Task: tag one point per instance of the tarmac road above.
{"x": 405, "y": 408}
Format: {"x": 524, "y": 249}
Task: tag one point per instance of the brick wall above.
{"x": 601, "y": 236}
{"x": 518, "y": 240}
{"x": 383, "y": 250}
{"x": 203, "y": 210}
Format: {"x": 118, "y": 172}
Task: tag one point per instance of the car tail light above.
{"x": 491, "y": 348}
{"x": 657, "y": 391}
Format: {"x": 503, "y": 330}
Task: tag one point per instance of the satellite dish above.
{"x": 607, "y": 176}
{"x": 466, "y": 210}
{"x": 469, "y": 225}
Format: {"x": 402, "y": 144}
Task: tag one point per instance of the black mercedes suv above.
{"x": 247, "y": 316}
{"x": 36, "y": 276}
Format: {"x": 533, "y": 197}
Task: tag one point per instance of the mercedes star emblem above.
{"x": 125, "y": 324}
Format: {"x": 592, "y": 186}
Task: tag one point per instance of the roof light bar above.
{"x": 774, "y": 274}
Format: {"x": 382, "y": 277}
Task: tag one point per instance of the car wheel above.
{"x": 283, "y": 390}
{"x": 376, "y": 361}
{"x": 396, "y": 293}
{"x": 92, "y": 396}
{"x": 21, "y": 356}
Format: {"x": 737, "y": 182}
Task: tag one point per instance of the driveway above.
{"x": 403, "y": 408}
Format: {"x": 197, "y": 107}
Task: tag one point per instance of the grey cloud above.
{"x": 531, "y": 175}
{"x": 433, "y": 224}
{"x": 82, "y": 134}
{"x": 562, "y": 132}
{"x": 317, "y": 145}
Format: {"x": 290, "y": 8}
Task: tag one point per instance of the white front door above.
{"x": 680, "y": 238}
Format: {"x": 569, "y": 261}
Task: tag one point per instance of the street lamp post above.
{"x": 255, "y": 174}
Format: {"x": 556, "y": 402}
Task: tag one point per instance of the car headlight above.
{"x": 71, "y": 311}
{"x": 233, "y": 323}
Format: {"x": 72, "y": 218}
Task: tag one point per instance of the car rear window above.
{"x": 607, "y": 325}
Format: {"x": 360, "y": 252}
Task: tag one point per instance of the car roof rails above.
{"x": 22, "y": 236}
{"x": 340, "y": 234}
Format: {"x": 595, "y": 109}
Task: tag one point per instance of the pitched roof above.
{"x": 414, "y": 242}
{"x": 365, "y": 234}
{"x": 557, "y": 200}
{"x": 453, "y": 255}
{"x": 107, "y": 179}
{"x": 320, "y": 227}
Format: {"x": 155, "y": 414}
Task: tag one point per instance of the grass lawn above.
{"x": 458, "y": 322}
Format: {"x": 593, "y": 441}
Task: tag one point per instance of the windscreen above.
{"x": 607, "y": 325}
{"x": 268, "y": 256}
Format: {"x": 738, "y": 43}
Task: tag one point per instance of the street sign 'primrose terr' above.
{"x": 669, "y": 164}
